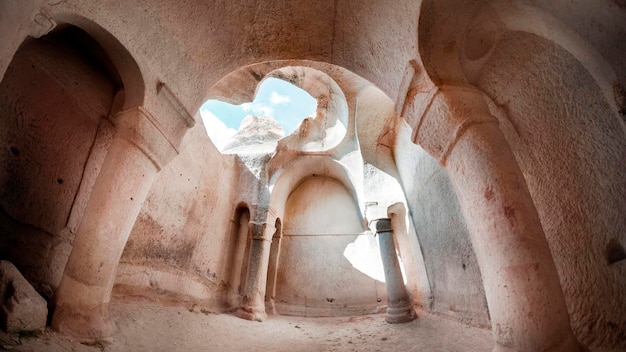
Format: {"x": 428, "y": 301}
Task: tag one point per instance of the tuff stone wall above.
{"x": 178, "y": 246}
{"x": 314, "y": 278}
{"x": 54, "y": 101}
{"x": 564, "y": 124}
{"x": 570, "y": 146}
{"x": 453, "y": 273}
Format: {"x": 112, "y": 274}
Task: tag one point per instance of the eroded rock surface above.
{"x": 21, "y": 307}
{"x": 256, "y": 132}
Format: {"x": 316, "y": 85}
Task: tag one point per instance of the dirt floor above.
{"x": 155, "y": 328}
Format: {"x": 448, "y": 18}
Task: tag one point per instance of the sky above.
{"x": 283, "y": 101}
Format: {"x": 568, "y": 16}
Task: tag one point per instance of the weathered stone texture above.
{"x": 21, "y": 307}
{"x": 576, "y": 179}
{"x": 53, "y": 101}
{"x": 552, "y": 73}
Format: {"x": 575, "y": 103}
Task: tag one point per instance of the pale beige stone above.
{"x": 497, "y": 127}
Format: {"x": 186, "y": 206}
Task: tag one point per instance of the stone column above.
{"x": 524, "y": 296}
{"x": 399, "y": 303}
{"x": 253, "y": 304}
{"x": 137, "y": 153}
{"x": 273, "y": 268}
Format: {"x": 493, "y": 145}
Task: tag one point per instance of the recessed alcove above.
{"x": 55, "y": 100}
{"x": 314, "y": 278}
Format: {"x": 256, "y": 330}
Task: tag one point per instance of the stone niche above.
{"x": 314, "y": 278}
{"x": 54, "y": 100}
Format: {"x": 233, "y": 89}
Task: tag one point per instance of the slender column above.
{"x": 524, "y": 296}
{"x": 253, "y": 304}
{"x": 399, "y": 304}
{"x": 137, "y": 152}
{"x": 409, "y": 254}
{"x": 236, "y": 261}
{"x": 273, "y": 268}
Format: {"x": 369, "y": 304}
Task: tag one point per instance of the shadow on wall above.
{"x": 54, "y": 101}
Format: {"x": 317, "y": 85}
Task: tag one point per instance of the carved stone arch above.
{"x": 450, "y": 119}
{"x": 497, "y": 20}
{"x": 134, "y": 87}
{"x": 140, "y": 146}
{"x": 553, "y": 112}
{"x": 310, "y": 231}
{"x": 362, "y": 107}
{"x": 61, "y": 87}
{"x": 287, "y": 179}
{"x": 238, "y": 253}
{"x": 440, "y": 29}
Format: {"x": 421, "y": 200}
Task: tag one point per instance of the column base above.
{"x": 252, "y": 313}
{"x": 270, "y": 306}
{"x": 86, "y": 324}
{"x": 400, "y": 315}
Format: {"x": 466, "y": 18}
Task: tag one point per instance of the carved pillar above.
{"x": 399, "y": 304}
{"x": 524, "y": 296}
{"x": 408, "y": 249}
{"x": 273, "y": 267}
{"x": 253, "y": 304}
{"x": 138, "y": 151}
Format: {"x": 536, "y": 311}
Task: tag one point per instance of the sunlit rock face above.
{"x": 255, "y": 133}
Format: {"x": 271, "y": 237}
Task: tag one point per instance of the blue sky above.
{"x": 283, "y": 101}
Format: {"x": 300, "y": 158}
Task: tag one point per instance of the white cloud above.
{"x": 258, "y": 109}
{"x": 246, "y": 107}
{"x": 219, "y": 133}
{"x": 277, "y": 99}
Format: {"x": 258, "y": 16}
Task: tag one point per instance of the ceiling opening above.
{"x": 287, "y": 104}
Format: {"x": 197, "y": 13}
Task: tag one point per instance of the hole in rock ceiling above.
{"x": 275, "y": 98}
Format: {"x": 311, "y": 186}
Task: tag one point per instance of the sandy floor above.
{"x": 153, "y": 328}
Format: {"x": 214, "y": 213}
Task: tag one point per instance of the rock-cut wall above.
{"x": 178, "y": 246}
{"x": 54, "y": 101}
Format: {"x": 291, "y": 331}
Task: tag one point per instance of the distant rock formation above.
{"x": 256, "y": 133}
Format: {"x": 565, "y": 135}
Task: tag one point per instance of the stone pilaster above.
{"x": 524, "y": 296}
{"x": 253, "y": 304}
{"x": 138, "y": 151}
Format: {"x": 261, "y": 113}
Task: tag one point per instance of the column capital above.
{"x": 138, "y": 126}
{"x": 449, "y": 112}
{"x": 381, "y": 225}
{"x": 262, "y": 230}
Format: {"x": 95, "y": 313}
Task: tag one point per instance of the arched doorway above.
{"x": 55, "y": 98}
